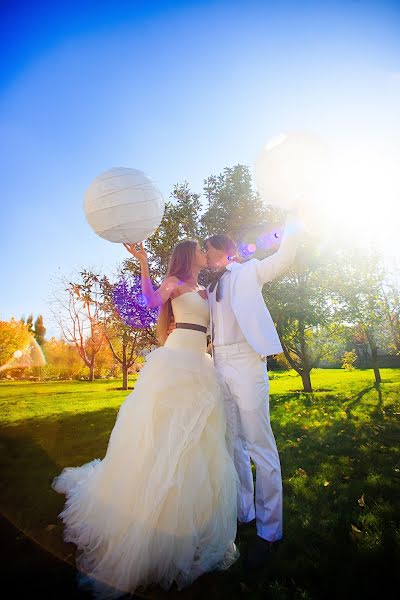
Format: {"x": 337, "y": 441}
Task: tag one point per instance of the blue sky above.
{"x": 177, "y": 89}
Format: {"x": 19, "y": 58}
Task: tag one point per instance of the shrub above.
{"x": 348, "y": 360}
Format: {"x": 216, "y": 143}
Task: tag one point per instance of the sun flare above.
{"x": 346, "y": 192}
{"x": 362, "y": 197}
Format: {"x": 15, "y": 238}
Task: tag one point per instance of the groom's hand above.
{"x": 171, "y": 327}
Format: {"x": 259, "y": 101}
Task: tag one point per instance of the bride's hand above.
{"x": 137, "y": 251}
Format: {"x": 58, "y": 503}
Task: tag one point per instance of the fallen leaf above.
{"x": 361, "y": 501}
{"x": 326, "y": 483}
{"x": 301, "y": 472}
{"x": 355, "y": 529}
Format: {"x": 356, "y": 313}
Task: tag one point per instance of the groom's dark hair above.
{"x": 222, "y": 242}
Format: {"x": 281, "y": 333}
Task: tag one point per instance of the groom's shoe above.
{"x": 259, "y": 553}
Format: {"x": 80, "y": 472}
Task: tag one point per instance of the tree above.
{"x": 348, "y": 359}
{"x": 77, "y": 311}
{"x": 180, "y": 221}
{"x": 299, "y": 302}
{"x": 106, "y": 365}
{"x": 14, "y": 336}
{"x": 305, "y": 317}
{"x": 29, "y": 323}
{"x": 62, "y": 360}
{"x": 40, "y": 330}
{"x": 390, "y": 289}
{"x": 361, "y": 300}
{"x": 125, "y": 341}
{"x": 233, "y": 205}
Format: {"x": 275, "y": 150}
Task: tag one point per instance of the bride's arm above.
{"x": 153, "y": 297}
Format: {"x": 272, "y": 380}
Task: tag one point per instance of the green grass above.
{"x": 340, "y": 456}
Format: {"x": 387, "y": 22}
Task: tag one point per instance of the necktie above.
{"x": 216, "y": 281}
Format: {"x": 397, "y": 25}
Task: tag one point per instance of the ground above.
{"x": 340, "y": 456}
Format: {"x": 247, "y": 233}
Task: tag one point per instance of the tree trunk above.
{"x": 374, "y": 360}
{"x": 306, "y": 379}
{"x": 91, "y": 372}
{"x": 306, "y": 367}
{"x": 124, "y": 377}
{"x": 377, "y": 374}
{"x": 375, "y": 366}
{"x": 124, "y": 368}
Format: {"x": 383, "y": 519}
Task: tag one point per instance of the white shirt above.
{"x": 226, "y": 327}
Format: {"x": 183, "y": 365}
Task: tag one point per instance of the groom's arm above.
{"x": 275, "y": 265}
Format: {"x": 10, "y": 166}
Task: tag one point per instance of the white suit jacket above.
{"x": 246, "y": 281}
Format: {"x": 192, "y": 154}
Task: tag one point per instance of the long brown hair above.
{"x": 180, "y": 265}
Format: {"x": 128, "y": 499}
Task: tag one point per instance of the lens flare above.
{"x": 246, "y": 250}
{"x": 30, "y": 356}
{"x": 262, "y": 238}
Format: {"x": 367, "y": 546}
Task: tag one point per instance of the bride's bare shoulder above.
{"x": 171, "y": 280}
{"x": 171, "y": 284}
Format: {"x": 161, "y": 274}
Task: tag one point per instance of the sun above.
{"x": 345, "y": 190}
{"x": 361, "y": 196}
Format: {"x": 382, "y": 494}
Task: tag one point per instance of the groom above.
{"x": 242, "y": 336}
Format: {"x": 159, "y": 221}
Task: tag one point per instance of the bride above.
{"x": 160, "y": 508}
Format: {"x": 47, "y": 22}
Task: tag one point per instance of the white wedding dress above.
{"x": 161, "y": 505}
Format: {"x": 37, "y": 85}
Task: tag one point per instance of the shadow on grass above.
{"x": 341, "y": 508}
{"x": 30, "y": 507}
{"x": 35, "y": 561}
{"x": 341, "y": 499}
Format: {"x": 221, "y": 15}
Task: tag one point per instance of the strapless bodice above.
{"x": 189, "y": 307}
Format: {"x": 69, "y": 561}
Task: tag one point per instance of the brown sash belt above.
{"x": 191, "y": 326}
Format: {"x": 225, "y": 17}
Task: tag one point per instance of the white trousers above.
{"x": 244, "y": 379}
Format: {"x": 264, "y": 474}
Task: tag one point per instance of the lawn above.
{"x": 340, "y": 456}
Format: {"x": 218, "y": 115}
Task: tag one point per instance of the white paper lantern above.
{"x": 123, "y": 205}
{"x": 290, "y": 169}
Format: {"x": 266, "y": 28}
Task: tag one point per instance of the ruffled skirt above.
{"x": 161, "y": 506}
